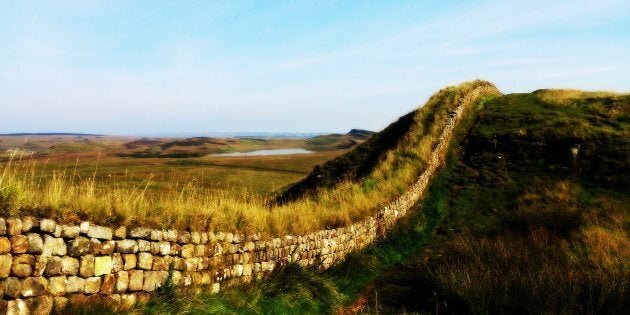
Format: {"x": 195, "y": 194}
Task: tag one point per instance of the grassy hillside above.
{"x": 522, "y": 223}
{"x": 354, "y": 187}
{"x": 391, "y": 159}
{"x": 516, "y": 222}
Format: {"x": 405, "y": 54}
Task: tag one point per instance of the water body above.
{"x": 266, "y": 152}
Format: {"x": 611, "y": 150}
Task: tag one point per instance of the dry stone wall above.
{"x": 45, "y": 265}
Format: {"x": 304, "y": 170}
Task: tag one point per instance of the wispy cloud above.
{"x": 243, "y": 66}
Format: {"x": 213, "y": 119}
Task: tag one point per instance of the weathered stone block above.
{"x": 75, "y": 284}
{"x": 160, "y": 264}
{"x": 247, "y": 270}
{"x": 86, "y": 266}
{"x": 57, "y": 285}
{"x": 54, "y": 246}
{"x": 164, "y": 248}
{"x": 155, "y": 249}
{"x": 92, "y": 285}
{"x": 100, "y": 232}
{"x": 186, "y": 279}
{"x": 145, "y": 261}
{"x": 113, "y": 300}
{"x": 120, "y": 233}
{"x": 13, "y": 287}
{"x": 53, "y": 266}
{"x": 29, "y": 223}
{"x": 218, "y": 249}
{"x": 6, "y": 262}
{"x": 245, "y": 258}
{"x": 206, "y": 278}
{"x": 188, "y": 251}
{"x": 5, "y": 245}
{"x": 144, "y": 246}
{"x": 14, "y": 226}
{"x": 47, "y": 225}
{"x": 232, "y": 248}
{"x": 34, "y": 286}
{"x": 136, "y": 279}
{"x": 156, "y": 235}
{"x": 237, "y": 270}
{"x": 153, "y": 280}
{"x": 195, "y": 237}
{"x": 104, "y": 247}
{"x": 19, "y": 244}
{"x": 130, "y": 261}
{"x": 3, "y": 227}
{"x": 109, "y": 283}
{"x": 229, "y": 237}
{"x": 22, "y": 266}
{"x": 122, "y": 282}
{"x": 117, "y": 262}
{"x": 249, "y": 246}
{"x": 126, "y": 246}
{"x": 70, "y": 231}
{"x": 200, "y": 250}
{"x": 69, "y": 266}
{"x": 102, "y": 265}
{"x": 169, "y": 236}
{"x": 219, "y": 236}
{"x": 127, "y": 301}
{"x": 191, "y": 263}
{"x": 84, "y": 227}
{"x": 39, "y": 266}
{"x": 204, "y": 238}
{"x": 176, "y": 249}
{"x": 35, "y": 243}
{"x": 17, "y": 307}
{"x": 40, "y": 304}
{"x": 140, "y": 232}
{"x": 178, "y": 263}
{"x": 183, "y": 237}
{"x": 80, "y": 246}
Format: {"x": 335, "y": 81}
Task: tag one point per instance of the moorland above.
{"x": 529, "y": 213}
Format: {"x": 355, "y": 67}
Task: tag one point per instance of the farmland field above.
{"x": 99, "y": 158}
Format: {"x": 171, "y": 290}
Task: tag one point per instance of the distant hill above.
{"x": 338, "y": 141}
{"x": 360, "y": 133}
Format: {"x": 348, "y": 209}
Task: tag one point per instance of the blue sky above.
{"x": 169, "y": 67}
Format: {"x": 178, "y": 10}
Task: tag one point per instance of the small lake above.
{"x": 266, "y": 152}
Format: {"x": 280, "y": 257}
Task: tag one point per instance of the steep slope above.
{"x": 518, "y": 221}
{"x": 531, "y": 214}
{"x": 401, "y": 149}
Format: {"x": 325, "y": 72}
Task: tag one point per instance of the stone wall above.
{"x": 45, "y": 265}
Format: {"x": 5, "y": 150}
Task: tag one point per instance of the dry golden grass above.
{"x": 563, "y": 96}
{"x": 190, "y": 206}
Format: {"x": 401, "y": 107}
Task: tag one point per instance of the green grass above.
{"x": 356, "y": 185}
{"x": 507, "y": 227}
{"x": 523, "y": 229}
